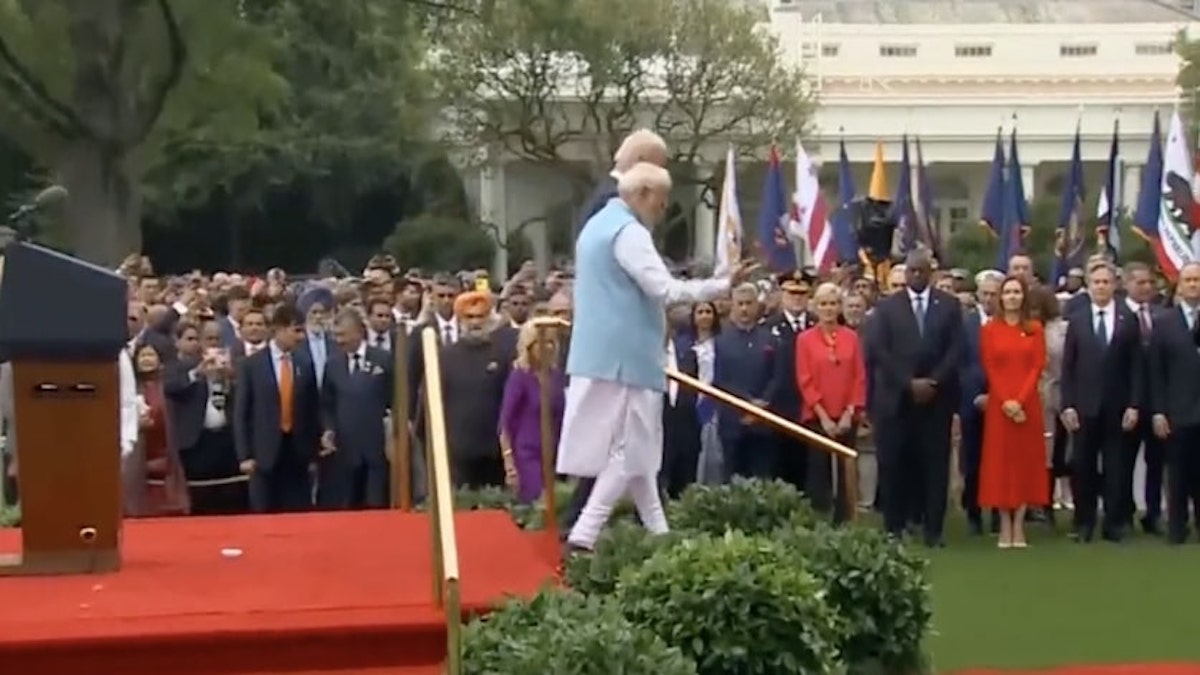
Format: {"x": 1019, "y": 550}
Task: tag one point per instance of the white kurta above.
{"x": 604, "y": 419}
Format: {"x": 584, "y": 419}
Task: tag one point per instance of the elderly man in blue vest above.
{"x": 612, "y": 426}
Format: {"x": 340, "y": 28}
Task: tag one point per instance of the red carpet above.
{"x": 333, "y": 592}
{"x": 1128, "y": 669}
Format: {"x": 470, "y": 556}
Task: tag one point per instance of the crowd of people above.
{"x": 272, "y": 394}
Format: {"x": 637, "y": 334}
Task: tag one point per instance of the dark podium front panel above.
{"x": 55, "y": 307}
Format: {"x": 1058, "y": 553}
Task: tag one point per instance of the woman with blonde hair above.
{"x": 521, "y": 410}
{"x": 832, "y": 378}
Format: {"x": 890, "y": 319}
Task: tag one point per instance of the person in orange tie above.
{"x": 832, "y": 378}
{"x": 1012, "y": 471}
{"x": 276, "y": 423}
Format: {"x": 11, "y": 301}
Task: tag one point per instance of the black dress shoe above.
{"x": 1114, "y": 534}
{"x": 1176, "y": 538}
{"x": 1150, "y": 526}
{"x": 934, "y": 541}
{"x": 974, "y": 528}
{"x": 1084, "y": 535}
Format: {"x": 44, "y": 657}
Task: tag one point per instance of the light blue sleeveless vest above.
{"x": 618, "y": 331}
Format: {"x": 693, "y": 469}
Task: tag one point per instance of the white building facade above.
{"x": 953, "y": 83}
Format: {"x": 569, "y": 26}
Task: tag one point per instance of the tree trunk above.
{"x": 104, "y": 210}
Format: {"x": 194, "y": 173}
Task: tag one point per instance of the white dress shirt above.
{"x": 447, "y": 328}
{"x": 373, "y": 337}
{"x": 127, "y": 380}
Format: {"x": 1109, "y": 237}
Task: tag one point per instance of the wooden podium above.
{"x": 62, "y": 326}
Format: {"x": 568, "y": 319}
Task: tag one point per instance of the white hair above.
{"x": 1101, "y": 265}
{"x": 637, "y": 147}
{"x": 641, "y": 177}
{"x": 988, "y": 275}
{"x": 747, "y": 288}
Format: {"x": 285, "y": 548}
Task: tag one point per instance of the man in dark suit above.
{"x": 200, "y": 394}
{"x": 352, "y": 469}
{"x": 276, "y": 418}
{"x": 974, "y": 395}
{"x": 237, "y": 303}
{"x": 1141, "y": 298}
{"x": 681, "y": 425}
{"x": 783, "y": 393}
{"x": 381, "y": 325}
{"x": 1175, "y": 385}
{"x": 744, "y": 366}
{"x": 1101, "y": 393}
{"x": 918, "y": 341}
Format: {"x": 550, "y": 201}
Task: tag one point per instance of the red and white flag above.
{"x": 810, "y": 215}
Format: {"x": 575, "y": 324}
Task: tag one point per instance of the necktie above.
{"x": 919, "y": 313}
{"x": 379, "y": 341}
{"x": 1144, "y": 321}
{"x": 447, "y": 334}
{"x": 355, "y": 363}
{"x": 285, "y": 393}
{"x": 1101, "y": 328}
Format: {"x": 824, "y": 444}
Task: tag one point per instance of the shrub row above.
{"x": 749, "y": 581}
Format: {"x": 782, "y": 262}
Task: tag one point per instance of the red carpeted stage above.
{"x": 336, "y": 592}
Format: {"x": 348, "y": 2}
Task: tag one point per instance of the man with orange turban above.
{"x": 473, "y": 310}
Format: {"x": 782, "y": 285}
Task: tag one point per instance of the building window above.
{"x": 954, "y": 217}
{"x": 972, "y": 51}
{"x": 897, "y": 51}
{"x": 1077, "y": 50}
{"x": 830, "y": 51}
{"x": 1153, "y": 49}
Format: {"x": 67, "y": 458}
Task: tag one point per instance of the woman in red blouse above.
{"x": 832, "y": 379}
{"x": 154, "y": 481}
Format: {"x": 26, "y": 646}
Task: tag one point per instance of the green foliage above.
{"x": 558, "y": 83}
{"x": 565, "y": 633}
{"x": 624, "y": 545}
{"x": 976, "y": 248}
{"x": 735, "y": 604}
{"x": 441, "y": 243}
{"x": 746, "y": 505}
{"x": 877, "y": 588}
{"x": 10, "y": 516}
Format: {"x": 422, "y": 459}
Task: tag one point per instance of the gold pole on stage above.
{"x": 401, "y": 445}
{"x": 441, "y": 503}
{"x": 547, "y": 328}
{"x": 763, "y": 415}
{"x": 845, "y": 456}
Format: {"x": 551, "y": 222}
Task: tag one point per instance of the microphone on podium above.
{"x": 48, "y": 197}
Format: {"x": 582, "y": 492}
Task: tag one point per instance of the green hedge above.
{"x": 878, "y": 589}
{"x": 623, "y": 545}
{"x": 745, "y": 505}
{"x": 565, "y": 633}
{"x": 10, "y": 516}
{"x": 735, "y": 604}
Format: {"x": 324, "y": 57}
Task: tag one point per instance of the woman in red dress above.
{"x": 1012, "y": 472}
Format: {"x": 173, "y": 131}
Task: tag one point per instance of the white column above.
{"x": 493, "y": 213}
{"x": 1131, "y": 185}
{"x": 704, "y": 230}
{"x": 1027, "y": 178}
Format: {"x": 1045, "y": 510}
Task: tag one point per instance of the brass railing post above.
{"x": 546, "y": 330}
{"x": 401, "y": 441}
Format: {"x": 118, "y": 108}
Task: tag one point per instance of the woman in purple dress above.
{"x": 521, "y": 411}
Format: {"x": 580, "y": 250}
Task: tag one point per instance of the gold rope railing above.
{"x": 441, "y": 504}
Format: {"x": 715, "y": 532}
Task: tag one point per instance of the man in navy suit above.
{"x": 276, "y": 418}
{"x": 974, "y": 393}
{"x": 918, "y": 341}
{"x": 356, "y": 393}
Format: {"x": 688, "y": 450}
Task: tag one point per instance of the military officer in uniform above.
{"x": 783, "y": 393}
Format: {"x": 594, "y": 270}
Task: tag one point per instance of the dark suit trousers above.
{"x": 914, "y": 450}
{"x": 478, "y": 472}
{"x": 793, "y": 459}
{"x": 1143, "y": 439}
{"x": 681, "y": 449}
{"x": 213, "y": 458}
{"x": 819, "y": 485}
{"x": 752, "y": 455}
{"x": 1099, "y": 443}
{"x": 1183, "y": 479}
{"x": 969, "y": 458}
{"x": 286, "y": 487}
{"x": 347, "y": 482}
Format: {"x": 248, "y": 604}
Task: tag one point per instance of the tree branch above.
{"x": 147, "y": 111}
{"x": 57, "y": 116}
